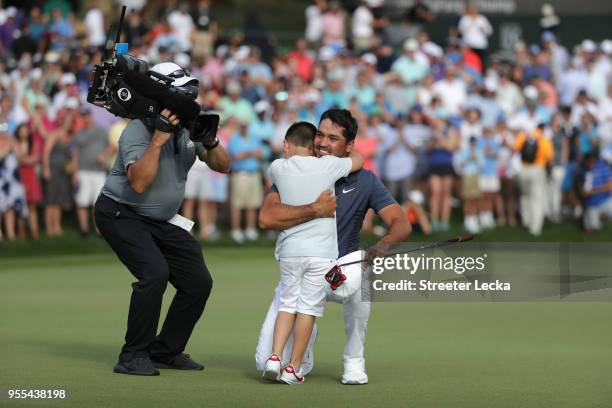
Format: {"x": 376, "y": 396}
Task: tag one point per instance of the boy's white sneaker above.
{"x": 290, "y": 376}
{"x": 272, "y": 369}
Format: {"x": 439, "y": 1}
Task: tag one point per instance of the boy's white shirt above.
{"x": 300, "y": 180}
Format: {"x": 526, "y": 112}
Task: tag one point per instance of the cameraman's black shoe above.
{"x": 136, "y": 366}
{"x": 179, "y": 362}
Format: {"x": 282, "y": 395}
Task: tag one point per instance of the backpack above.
{"x": 529, "y": 150}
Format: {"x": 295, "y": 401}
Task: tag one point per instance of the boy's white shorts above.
{"x": 303, "y": 279}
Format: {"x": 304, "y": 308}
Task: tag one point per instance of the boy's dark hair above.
{"x": 345, "y": 120}
{"x": 301, "y": 134}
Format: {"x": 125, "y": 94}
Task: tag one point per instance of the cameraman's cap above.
{"x": 179, "y": 75}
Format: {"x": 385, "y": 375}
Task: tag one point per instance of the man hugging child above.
{"x": 305, "y": 252}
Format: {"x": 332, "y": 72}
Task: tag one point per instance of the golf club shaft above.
{"x": 461, "y": 238}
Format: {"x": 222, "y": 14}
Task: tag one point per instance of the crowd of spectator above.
{"x": 525, "y": 138}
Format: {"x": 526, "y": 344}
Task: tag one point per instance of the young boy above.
{"x": 305, "y": 252}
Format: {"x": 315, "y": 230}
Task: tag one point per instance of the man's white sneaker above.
{"x": 290, "y": 376}
{"x": 355, "y": 378}
{"x": 272, "y": 369}
{"x": 251, "y": 234}
{"x": 237, "y": 236}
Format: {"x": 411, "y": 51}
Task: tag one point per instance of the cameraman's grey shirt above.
{"x": 162, "y": 200}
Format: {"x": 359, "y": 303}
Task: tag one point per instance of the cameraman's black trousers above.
{"x": 156, "y": 253}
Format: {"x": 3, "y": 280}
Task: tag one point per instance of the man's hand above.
{"x": 163, "y": 127}
{"x": 325, "y": 205}
{"x": 380, "y": 249}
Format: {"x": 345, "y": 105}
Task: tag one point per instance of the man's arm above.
{"x": 397, "y": 222}
{"x": 273, "y": 215}
{"x": 357, "y": 160}
{"x": 142, "y": 172}
{"x": 217, "y": 159}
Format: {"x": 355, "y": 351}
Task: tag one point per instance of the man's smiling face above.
{"x": 330, "y": 140}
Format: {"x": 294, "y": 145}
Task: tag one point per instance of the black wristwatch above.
{"x": 214, "y": 144}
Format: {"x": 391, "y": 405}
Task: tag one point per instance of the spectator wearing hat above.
{"x": 529, "y": 118}
{"x": 452, "y": 91}
{"x": 582, "y": 105}
{"x": 364, "y": 92}
{"x": 410, "y": 68}
{"x": 263, "y": 128}
{"x": 66, "y": 89}
{"x": 89, "y": 160}
{"x": 234, "y": 105}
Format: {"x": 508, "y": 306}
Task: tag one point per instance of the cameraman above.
{"x": 136, "y": 213}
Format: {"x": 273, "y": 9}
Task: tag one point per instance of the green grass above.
{"x": 62, "y": 321}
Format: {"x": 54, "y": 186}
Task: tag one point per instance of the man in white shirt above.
{"x": 475, "y": 30}
{"x": 451, "y": 90}
{"x": 305, "y": 252}
{"x": 363, "y": 27}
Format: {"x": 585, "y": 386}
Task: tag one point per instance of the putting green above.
{"x": 62, "y": 320}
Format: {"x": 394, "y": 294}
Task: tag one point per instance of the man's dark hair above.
{"x": 301, "y": 134}
{"x": 344, "y": 119}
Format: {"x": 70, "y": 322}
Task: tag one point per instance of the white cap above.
{"x": 233, "y": 87}
{"x": 369, "y": 58}
{"x": 490, "y": 84}
{"x": 530, "y": 92}
{"x": 588, "y": 46}
{"x": 433, "y": 49}
{"x": 606, "y": 46}
{"x": 175, "y": 72}
{"x": 72, "y": 103}
{"x": 36, "y": 74}
{"x": 312, "y": 95}
{"x": 242, "y": 52}
{"x": 52, "y": 57}
{"x": 261, "y": 106}
{"x": 416, "y": 197}
{"x": 335, "y": 75}
{"x": 411, "y": 44}
{"x": 68, "y": 78}
{"x": 11, "y": 11}
{"x": 326, "y": 53}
